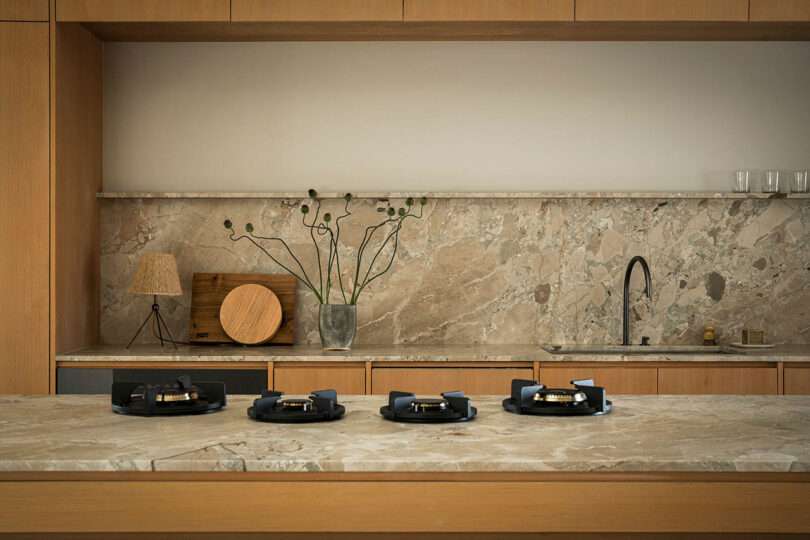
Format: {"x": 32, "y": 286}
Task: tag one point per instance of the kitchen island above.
{"x": 721, "y": 464}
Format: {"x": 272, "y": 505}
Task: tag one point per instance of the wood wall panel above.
{"x": 662, "y": 10}
{"x": 305, "y": 379}
{"x": 78, "y": 178}
{"x": 780, "y": 10}
{"x": 24, "y": 10}
{"x": 489, "y": 10}
{"x": 24, "y": 207}
{"x": 472, "y": 381}
{"x": 151, "y": 506}
{"x": 717, "y": 380}
{"x": 316, "y": 10}
{"x": 143, "y": 10}
{"x": 616, "y": 380}
{"x": 797, "y": 380}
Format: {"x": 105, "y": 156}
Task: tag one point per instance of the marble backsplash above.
{"x": 503, "y": 270}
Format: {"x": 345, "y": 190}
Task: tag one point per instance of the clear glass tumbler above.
{"x": 799, "y": 182}
{"x": 770, "y": 183}
{"x": 742, "y": 181}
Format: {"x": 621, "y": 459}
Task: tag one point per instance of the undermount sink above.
{"x": 632, "y": 349}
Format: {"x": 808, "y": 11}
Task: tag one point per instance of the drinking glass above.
{"x": 771, "y": 182}
{"x": 799, "y": 182}
{"x": 741, "y": 181}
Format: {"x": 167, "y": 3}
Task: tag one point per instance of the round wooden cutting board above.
{"x": 250, "y": 314}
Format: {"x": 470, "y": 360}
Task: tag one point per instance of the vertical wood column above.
{"x": 24, "y": 207}
{"x": 78, "y": 177}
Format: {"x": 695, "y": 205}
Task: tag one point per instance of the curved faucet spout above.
{"x": 626, "y": 301}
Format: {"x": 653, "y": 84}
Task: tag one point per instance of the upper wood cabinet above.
{"x": 780, "y": 10}
{"x": 24, "y": 207}
{"x": 489, "y": 10}
{"x": 316, "y": 10}
{"x": 662, "y": 10}
{"x": 24, "y": 10}
{"x": 143, "y": 10}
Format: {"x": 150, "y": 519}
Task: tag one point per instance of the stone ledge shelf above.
{"x": 662, "y": 195}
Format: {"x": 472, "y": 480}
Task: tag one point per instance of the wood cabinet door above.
{"x": 143, "y": 10}
{"x": 316, "y": 10}
{"x": 662, "y": 10}
{"x": 717, "y": 380}
{"x": 616, "y": 380}
{"x": 305, "y": 379}
{"x": 797, "y": 381}
{"x": 472, "y": 381}
{"x": 489, "y": 10}
{"x": 24, "y": 10}
{"x": 24, "y": 207}
{"x": 780, "y": 10}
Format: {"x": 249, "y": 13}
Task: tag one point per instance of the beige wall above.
{"x": 451, "y": 116}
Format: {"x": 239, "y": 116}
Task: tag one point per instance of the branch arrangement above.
{"x": 325, "y": 228}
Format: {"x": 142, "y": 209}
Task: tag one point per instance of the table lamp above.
{"x": 157, "y": 276}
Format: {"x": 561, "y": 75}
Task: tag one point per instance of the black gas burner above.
{"x": 180, "y": 397}
{"x": 531, "y": 397}
{"x": 406, "y": 407}
{"x": 320, "y": 406}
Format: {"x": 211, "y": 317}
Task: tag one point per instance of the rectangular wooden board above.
{"x": 209, "y": 290}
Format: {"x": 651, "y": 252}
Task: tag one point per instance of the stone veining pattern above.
{"x": 643, "y": 433}
{"x": 504, "y": 270}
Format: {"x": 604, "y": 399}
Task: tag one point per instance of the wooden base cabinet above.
{"x": 718, "y": 380}
{"x": 434, "y": 380}
{"x": 303, "y": 379}
{"x": 616, "y": 380}
{"x": 24, "y": 207}
{"x": 797, "y": 381}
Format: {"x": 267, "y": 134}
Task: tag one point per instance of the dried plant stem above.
{"x": 321, "y": 226}
{"x": 304, "y": 278}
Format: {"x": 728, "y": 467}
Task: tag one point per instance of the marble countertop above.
{"x": 411, "y": 353}
{"x": 643, "y": 433}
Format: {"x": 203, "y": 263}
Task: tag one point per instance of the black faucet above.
{"x": 626, "y": 305}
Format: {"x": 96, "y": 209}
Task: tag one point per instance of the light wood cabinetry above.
{"x": 143, "y": 10}
{"x": 717, "y": 380}
{"x": 434, "y": 380}
{"x": 302, "y": 379}
{"x": 615, "y": 379}
{"x": 489, "y": 10}
{"x": 797, "y": 380}
{"x": 780, "y": 10}
{"x": 662, "y": 10}
{"x": 24, "y": 207}
{"x": 316, "y": 10}
{"x": 76, "y": 261}
{"x": 24, "y": 10}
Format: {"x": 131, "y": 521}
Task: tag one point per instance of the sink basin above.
{"x": 632, "y": 349}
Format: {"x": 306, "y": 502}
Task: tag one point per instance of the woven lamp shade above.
{"x": 156, "y": 275}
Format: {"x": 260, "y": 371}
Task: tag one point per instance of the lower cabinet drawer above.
{"x": 717, "y": 380}
{"x": 615, "y": 380}
{"x": 472, "y": 381}
{"x": 797, "y": 381}
{"x": 305, "y": 379}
